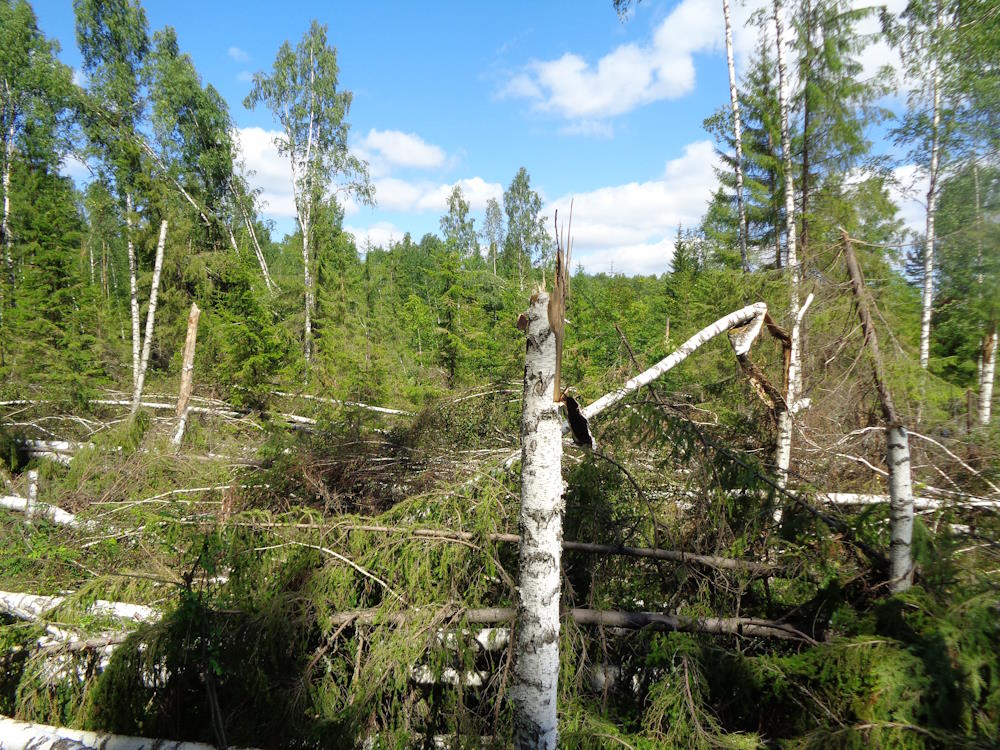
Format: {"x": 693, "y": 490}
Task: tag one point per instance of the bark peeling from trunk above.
{"x": 536, "y": 668}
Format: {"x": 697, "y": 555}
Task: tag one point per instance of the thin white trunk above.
{"x": 308, "y": 279}
{"x": 133, "y": 290}
{"x": 261, "y": 261}
{"x": 928, "y": 297}
{"x": 536, "y": 665}
{"x": 90, "y": 250}
{"x": 900, "y": 509}
{"x": 737, "y": 138}
{"x": 794, "y": 376}
{"x": 150, "y": 318}
{"x": 8, "y": 239}
{"x": 988, "y": 376}
{"x": 897, "y": 442}
{"x": 783, "y": 455}
{"x": 751, "y": 314}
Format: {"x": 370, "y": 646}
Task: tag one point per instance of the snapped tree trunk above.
{"x": 897, "y": 443}
{"x": 187, "y": 373}
{"x": 737, "y": 138}
{"x": 536, "y": 649}
{"x": 751, "y": 315}
{"x": 150, "y": 318}
{"x": 928, "y": 296}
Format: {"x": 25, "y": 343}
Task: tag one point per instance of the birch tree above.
{"x": 737, "y": 138}
{"x": 154, "y": 292}
{"x": 113, "y": 39}
{"x": 536, "y": 666}
{"x": 493, "y": 230}
{"x": 793, "y": 378}
{"x": 922, "y": 47}
{"x": 897, "y": 442}
{"x": 301, "y": 92}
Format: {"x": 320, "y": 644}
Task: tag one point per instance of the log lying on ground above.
{"x": 739, "y": 626}
{"x": 44, "y": 510}
{"x": 919, "y": 503}
{"x": 33, "y": 607}
{"x": 712, "y": 561}
{"x": 21, "y": 735}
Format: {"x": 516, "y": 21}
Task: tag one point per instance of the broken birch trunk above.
{"x": 187, "y": 373}
{"x": 154, "y": 292}
{"x": 897, "y": 444}
{"x": 536, "y": 666}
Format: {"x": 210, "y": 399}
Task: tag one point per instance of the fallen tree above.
{"x": 22, "y": 735}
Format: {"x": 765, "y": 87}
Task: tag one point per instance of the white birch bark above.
{"x": 988, "y": 376}
{"x": 737, "y": 137}
{"x": 150, "y": 318}
{"x": 786, "y": 422}
{"x": 897, "y": 443}
{"x": 794, "y": 376}
{"x": 133, "y": 289}
{"x": 8, "y": 239}
{"x": 928, "y": 295}
{"x": 751, "y": 314}
{"x": 261, "y": 261}
{"x": 24, "y": 505}
{"x": 536, "y": 666}
{"x": 900, "y": 509}
{"x": 21, "y": 735}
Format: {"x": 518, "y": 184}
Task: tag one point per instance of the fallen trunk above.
{"x": 21, "y": 735}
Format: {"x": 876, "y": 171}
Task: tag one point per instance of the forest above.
{"x": 457, "y": 491}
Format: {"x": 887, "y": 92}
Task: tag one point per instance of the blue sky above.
{"x": 467, "y": 93}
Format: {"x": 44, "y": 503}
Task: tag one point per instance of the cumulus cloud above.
{"x": 272, "y": 175}
{"x": 629, "y": 76}
{"x": 237, "y": 54}
{"x": 394, "y": 148}
{"x": 379, "y": 234}
{"x": 630, "y": 228}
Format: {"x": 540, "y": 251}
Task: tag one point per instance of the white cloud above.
{"x": 238, "y": 54}
{"x": 245, "y": 76}
{"x": 592, "y": 128}
{"x": 631, "y": 227}
{"x": 273, "y": 177}
{"x": 909, "y": 191}
{"x": 79, "y": 78}
{"x": 394, "y": 148}
{"x": 630, "y": 75}
{"x": 272, "y": 173}
{"x": 72, "y": 167}
{"x": 379, "y": 234}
